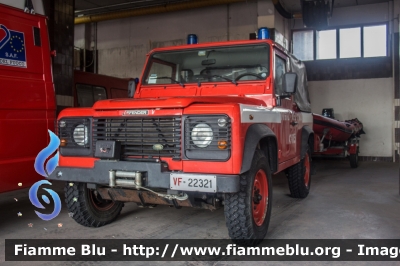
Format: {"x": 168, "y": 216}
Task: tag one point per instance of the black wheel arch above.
{"x": 307, "y": 140}
{"x": 260, "y": 135}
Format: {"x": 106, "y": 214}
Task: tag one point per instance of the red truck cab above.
{"x": 27, "y": 104}
{"x": 90, "y": 88}
{"x": 208, "y": 126}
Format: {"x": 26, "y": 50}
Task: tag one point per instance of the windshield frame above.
{"x": 223, "y": 80}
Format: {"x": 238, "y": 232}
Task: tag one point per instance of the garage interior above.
{"x": 112, "y": 37}
{"x": 354, "y": 86}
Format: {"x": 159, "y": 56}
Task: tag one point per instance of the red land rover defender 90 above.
{"x": 208, "y": 126}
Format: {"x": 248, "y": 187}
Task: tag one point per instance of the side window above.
{"x": 85, "y": 95}
{"x": 160, "y": 74}
{"x": 280, "y": 69}
{"x": 99, "y": 93}
{"x": 88, "y": 95}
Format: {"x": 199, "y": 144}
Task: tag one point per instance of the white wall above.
{"x": 123, "y": 44}
{"x": 369, "y": 100}
{"x": 79, "y": 36}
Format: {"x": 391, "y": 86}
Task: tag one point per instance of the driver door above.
{"x": 288, "y": 127}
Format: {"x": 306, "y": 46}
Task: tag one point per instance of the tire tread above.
{"x": 238, "y": 215}
{"x": 295, "y": 175}
{"x": 79, "y": 208}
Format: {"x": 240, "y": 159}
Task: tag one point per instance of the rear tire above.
{"x": 354, "y": 160}
{"x": 247, "y": 212}
{"x": 88, "y": 208}
{"x": 299, "y": 177}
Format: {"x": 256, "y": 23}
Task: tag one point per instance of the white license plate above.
{"x": 189, "y": 182}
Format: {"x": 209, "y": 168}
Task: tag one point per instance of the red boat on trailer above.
{"x": 335, "y": 138}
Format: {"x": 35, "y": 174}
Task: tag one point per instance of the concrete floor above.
{"x": 343, "y": 203}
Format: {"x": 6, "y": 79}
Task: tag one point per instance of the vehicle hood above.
{"x": 175, "y": 102}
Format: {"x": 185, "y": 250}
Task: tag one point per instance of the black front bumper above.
{"x": 157, "y": 176}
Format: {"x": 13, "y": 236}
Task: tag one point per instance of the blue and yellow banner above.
{"x": 12, "y": 48}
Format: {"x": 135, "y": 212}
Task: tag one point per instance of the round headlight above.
{"x": 202, "y": 135}
{"x": 81, "y": 135}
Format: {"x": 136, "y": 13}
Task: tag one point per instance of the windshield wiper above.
{"x": 177, "y": 82}
{"x": 225, "y": 78}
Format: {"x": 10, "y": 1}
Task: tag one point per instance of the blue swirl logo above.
{"x": 40, "y": 169}
{"x": 35, "y": 201}
{"x": 45, "y": 153}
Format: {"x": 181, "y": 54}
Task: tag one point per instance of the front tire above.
{"x": 299, "y": 177}
{"x": 248, "y": 212}
{"x": 88, "y": 208}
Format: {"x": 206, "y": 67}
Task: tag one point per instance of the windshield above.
{"x": 219, "y": 64}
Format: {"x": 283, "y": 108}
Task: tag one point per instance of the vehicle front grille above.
{"x": 146, "y": 138}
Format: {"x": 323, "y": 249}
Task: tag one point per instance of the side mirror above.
{"x": 289, "y": 83}
{"x": 131, "y": 88}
